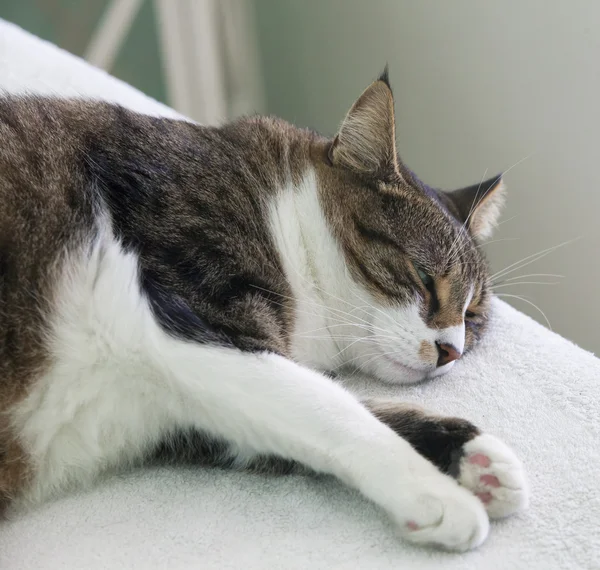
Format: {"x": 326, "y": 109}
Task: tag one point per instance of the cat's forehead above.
{"x": 397, "y": 223}
{"x": 428, "y": 229}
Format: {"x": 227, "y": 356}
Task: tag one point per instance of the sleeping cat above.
{"x": 173, "y": 289}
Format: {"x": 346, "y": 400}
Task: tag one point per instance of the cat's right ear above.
{"x": 366, "y": 141}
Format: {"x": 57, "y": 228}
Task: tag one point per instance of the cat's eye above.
{"x": 470, "y": 315}
{"x": 425, "y": 278}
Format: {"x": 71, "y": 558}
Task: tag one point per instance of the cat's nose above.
{"x": 446, "y": 354}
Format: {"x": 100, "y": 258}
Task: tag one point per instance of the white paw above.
{"x": 441, "y": 513}
{"x": 493, "y": 472}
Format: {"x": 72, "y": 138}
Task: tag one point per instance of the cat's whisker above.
{"x": 325, "y": 335}
{"x": 495, "y": 241}
{"x": 340, "y": 352}
{"x": 525, "y": 283}
{"x": 525, "y": 300}
{"x": 369, "y": 338}
{"x": 374, "y": 308}
{"x": 327, "y": 328}
{"x": 315, "y": 286}
{"x": 524, "y": 262}
{"x": 325, "y": 307}
{"x": 556, "y": 275}
{"x": 507, "y": 220}
{"x": 335, "y": 317}
{"x": 341, "y": 321}
{"x": 504, "y": 173}
{"x": 368, "y": 355}
{"x": 351, "y": 360}
{"x": 376, "y": 356}
{"x": 346, "y": 337}
{"x": 386, "y": 315}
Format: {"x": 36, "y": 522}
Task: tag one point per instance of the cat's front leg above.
{"x": 480, "y": 462}
{"x": 265, "y": 404}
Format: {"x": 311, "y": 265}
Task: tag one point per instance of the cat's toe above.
{"x": 491, "y": 470}
{"x": 448, "y": 517}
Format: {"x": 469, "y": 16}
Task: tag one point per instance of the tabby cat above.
{"x": 169, "y": 289}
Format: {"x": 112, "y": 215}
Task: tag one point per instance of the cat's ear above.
{"x": 366, "y": 141}
{"x": 479, "y": 206}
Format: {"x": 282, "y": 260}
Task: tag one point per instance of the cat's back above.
{"x": 59, "y": 156}
{"x": 42, "y": 135}
{"x": 45, "y": 198}
{"x": 42, "y": 148}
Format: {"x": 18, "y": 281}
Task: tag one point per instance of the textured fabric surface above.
{"x": 537, "y": 391}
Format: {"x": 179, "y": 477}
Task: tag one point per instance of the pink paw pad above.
{"x": 412, "y": 525}
{"x": 490, "y": 480}
{"x": 480, "y": 459}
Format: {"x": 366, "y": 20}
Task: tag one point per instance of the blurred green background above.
{"x": 70, "y": 24}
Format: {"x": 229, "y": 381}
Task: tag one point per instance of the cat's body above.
{"x": 171, "y": 288}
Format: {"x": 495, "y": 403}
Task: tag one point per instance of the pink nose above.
{"x": 446, "y": 354}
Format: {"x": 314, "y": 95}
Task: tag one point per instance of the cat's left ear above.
{"x": 366, "y": 141}
{"x": 479, "y": 206}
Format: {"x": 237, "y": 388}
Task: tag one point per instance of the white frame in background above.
{"x": 208, "y": 50}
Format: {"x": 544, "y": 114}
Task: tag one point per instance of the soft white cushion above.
{"x": 525, "y": 384}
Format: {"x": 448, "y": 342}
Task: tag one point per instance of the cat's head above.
{"x": 412, "y": 250}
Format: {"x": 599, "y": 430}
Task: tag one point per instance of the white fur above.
{"x": 119, "y": 383}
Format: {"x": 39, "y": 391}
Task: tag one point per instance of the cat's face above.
{"x": 411, "y": 251}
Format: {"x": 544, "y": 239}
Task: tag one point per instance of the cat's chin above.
{"x": 392, "y": 371}
{"x": 441, "y": 370}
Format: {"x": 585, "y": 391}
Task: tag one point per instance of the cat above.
{"x": 169, "y": 288}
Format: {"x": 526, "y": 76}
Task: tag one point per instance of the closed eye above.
{"x": 425, "y": 278}
{"x": 429, "y": 284}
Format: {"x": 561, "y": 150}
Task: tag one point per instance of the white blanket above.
{"x": 525, "y": 384}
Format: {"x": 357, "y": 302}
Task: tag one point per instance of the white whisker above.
{"x": 363, "y": 324}
{"x": 533, "y": 275}
{"x": 376, "y": 356}
{"x": 530, "y": 303}
{"x": 507, "y": 220}
{"x": 496, "y": 241}
{"x": 529, "y": 259}
{"x": 525, "y": 283}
